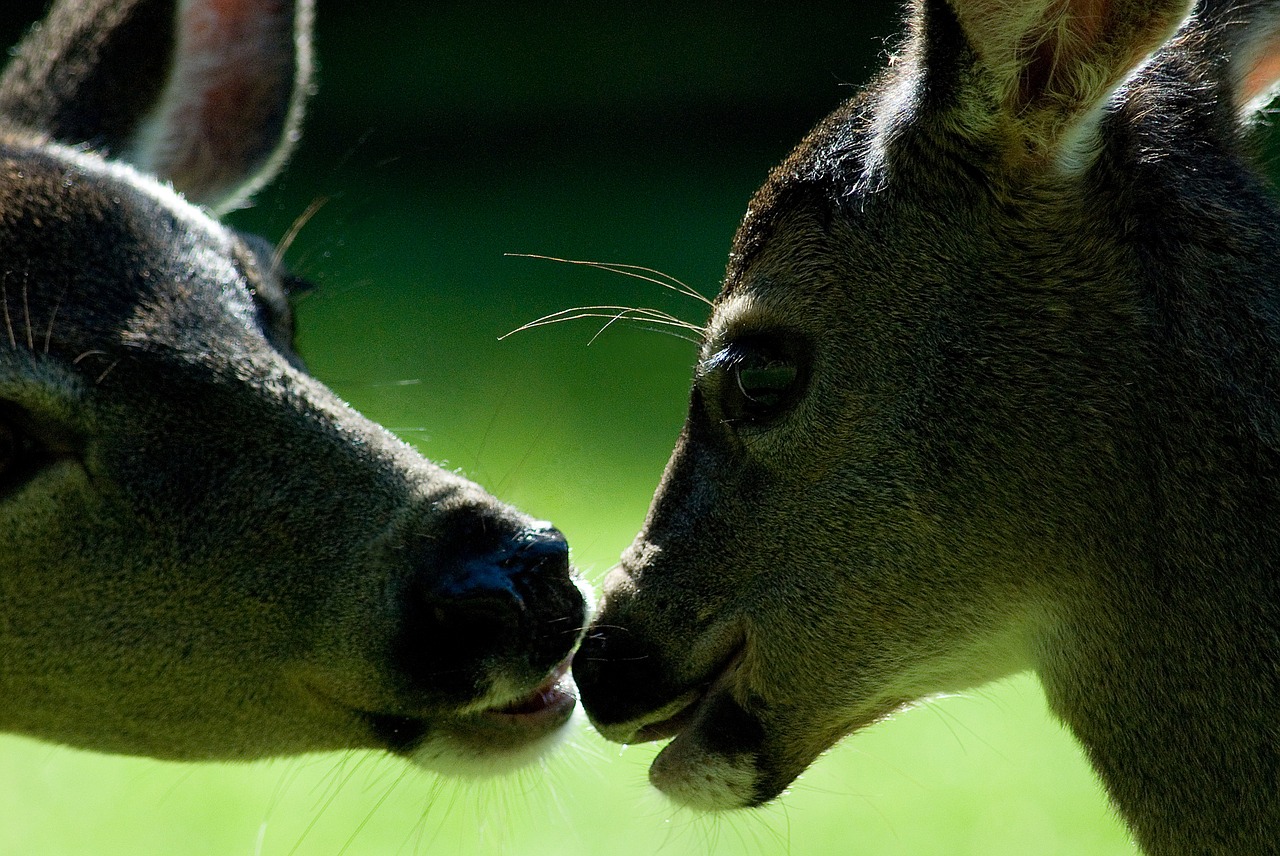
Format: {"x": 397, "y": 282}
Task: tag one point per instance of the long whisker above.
{"x": 292, "y": 234}
{"x": 613, "y": 313}
{"x": 641, "y": 315}
{"x": 655, "y": 276}
{"x": 48, "y": 330}
{"x": 26, "y": 312}
{"x": 625, "y": 316}
{"x": 8, "y": 322}
{"x": 639, "y": 311}
{"x": 360, "y": 827}
{"x": 84, "y": 354}
{"x": 108, "y": 370}
{"x": 616, "y": 317}
{"x": 340, "y": 782}
{"x": 668, "y": 280}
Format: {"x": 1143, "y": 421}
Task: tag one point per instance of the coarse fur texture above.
{"x": 990, "y": 386}
{"x": 204, "y": 553}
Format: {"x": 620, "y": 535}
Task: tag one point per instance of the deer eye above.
{"x": 20, "y": 456}
{"x": 762, "y": 378}
{"x": 766, "y": 386}
{"x": 8, "y": 448}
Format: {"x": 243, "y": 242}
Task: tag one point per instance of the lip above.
{"x": 546, "y": 705}
{"x": 686, "y": 707}
{"x": 678, "y": 714}
{"x": 498, "y": 728}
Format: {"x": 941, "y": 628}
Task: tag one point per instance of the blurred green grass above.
{"x": 414, "y": 293}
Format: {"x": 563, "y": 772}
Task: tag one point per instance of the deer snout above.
{"x": 469, "y": 637}
{"x": 515, "y": 598}
{"x": 490, "y": 607}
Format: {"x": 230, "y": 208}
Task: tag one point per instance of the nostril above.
{"x": 476, "y": 620}
{"x": 521, "y": 561}
{"x": 483, "y": 602}
{"x": 488, "y": 597}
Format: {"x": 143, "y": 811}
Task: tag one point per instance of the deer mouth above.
{"x": 549, "y": 704}
{"x": 485, "y": 739}
{"x": 684, "y": 708}
{"x": 675, "y": 716}
{"x": 718, "y": 758}
{"x": 718, "y": 755}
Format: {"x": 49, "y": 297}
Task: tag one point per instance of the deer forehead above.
{"x": 148, "y": 264}
{"x": 27, "y": 156}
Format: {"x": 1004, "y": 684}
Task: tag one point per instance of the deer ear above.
{"x": 1037, "y": 73}
{"x": 1249, "y": 42}
{"x": 206, "y": 94}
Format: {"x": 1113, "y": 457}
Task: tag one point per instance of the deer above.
{"x": 989, "y": 387}
{"x": 204, "y": 552}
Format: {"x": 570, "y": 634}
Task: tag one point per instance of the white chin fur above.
{"x": 691, "y": 776}
{"x": 443, "y": 755}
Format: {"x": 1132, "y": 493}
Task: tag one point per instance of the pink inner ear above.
{"x": 236, "y": 75}
{"x": 1066, "y": 33}
{"x": 225, "y": 108}
{"x": 1262, "y": 73}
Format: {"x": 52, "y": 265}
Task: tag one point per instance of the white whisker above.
{"x": 612, "y": 312}
{"x": 108, "y": 370}
{"x": 8, "y": 322}
{"x": 48, "y": 330}
{"x": 84, "y": 354}
{"x": 26, "y": 311}
{"x": 635, "y": 271}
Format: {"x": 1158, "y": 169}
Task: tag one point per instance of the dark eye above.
{"x": 275, "y": 314}
{"x": 9, "y": 443}
{"x": 272, "y": 289}
{"x": 765, "y": 387}
{"x": 21, "y": 457}
{"x": 273, "y": 300}
{"x": 294, "y": 285}
{"x": 763, "y": 377}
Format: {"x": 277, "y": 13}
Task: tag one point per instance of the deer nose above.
{"x": 487, "y": 602}
{"x": 493, "y": 601}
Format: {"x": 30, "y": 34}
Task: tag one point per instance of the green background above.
{"x": 445, "y": 136}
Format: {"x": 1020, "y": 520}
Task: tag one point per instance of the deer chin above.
{"x": 727, "y": 755}
{"x": 506, "y": 736}
{"x": 714, "y": 761}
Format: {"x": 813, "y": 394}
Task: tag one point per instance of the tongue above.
{"x": 542, "y": 697}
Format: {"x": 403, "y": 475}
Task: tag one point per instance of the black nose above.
{"x": 618, "y": 675}
{"x": 494, "y": 600}
{"x": 486, "y": 601}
